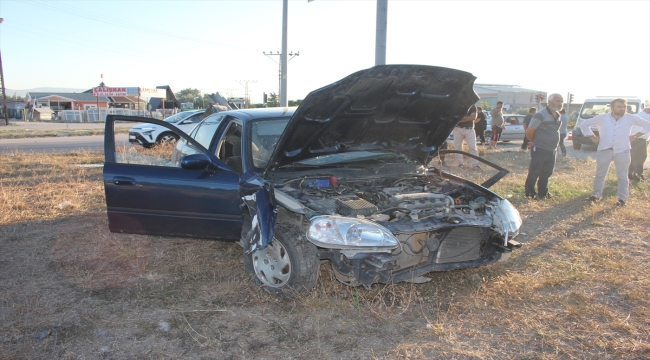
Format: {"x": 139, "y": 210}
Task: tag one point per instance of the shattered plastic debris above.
{"x": 64, "y": 205}
{"x": 163, "y": 326}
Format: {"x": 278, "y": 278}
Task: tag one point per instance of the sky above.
{"x": 587, "y": 48}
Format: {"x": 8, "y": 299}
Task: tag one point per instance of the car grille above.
{"x": 462, "y": 244}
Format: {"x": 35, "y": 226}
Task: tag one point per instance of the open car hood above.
{"x": 408, "y": 109}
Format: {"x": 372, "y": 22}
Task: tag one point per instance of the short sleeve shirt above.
{"x": 497, "y": 119}
{"x": 547, "y": 129}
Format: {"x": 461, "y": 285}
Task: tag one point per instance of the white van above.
{"x": 597, "y": 106}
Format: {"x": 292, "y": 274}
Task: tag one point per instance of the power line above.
{"x": 244, "y": 83}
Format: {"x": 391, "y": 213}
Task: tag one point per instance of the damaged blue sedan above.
{"x": 347, "y": 178}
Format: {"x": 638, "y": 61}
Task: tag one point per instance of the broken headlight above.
{"x": 336, "y": 232}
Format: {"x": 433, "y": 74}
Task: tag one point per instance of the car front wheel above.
{"x": 167, "y": 139}
{"x": 488, "y": 136}
{"x": 287, "y": 266}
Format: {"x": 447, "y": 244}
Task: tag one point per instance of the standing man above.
{"x": 464, "y": 130}
{"x": 531, "y": 112}
{"x": 544, "y": 133}
{"x": 481, "y": 124}
{"x": 639, "y": 151}
{"x": 613, "y": 145}
{"x": 564, "y": 122}
{"x": 497, "y": 124}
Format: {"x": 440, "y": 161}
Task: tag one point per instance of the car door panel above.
{"x": 167, "y": 199}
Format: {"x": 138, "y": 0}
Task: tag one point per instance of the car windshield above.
{"x": 205, "y": 131}
{"x": 177, "y": 117}
{"x": 264, "y": 137}
{"x": 591, "y": 109}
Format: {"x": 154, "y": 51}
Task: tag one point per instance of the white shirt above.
{"x": 614, "y": 134}
{"x": 636, "y": 129}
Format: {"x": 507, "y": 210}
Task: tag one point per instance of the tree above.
{"x": 191, "y": 95}
{"x": 295, "y": 102}
{"x": 484, "y": 105}
{"x": 272, "y": 100}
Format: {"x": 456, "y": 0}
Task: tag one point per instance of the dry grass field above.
{"x": 69, "y": 289}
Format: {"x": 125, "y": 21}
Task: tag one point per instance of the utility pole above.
{"x": 2, "y": 81}
{"x": 269, "y": 54}
{"x": 244, "y": 83}
{"x": 283, "y": 57}
{"x": 380, "y": 36}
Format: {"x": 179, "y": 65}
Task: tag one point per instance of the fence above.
{"x": 90, "y": 115}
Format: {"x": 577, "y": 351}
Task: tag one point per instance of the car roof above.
{"x": 260, "y": 113}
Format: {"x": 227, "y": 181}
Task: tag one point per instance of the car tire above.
{"x": 288, "y": 266}
{"x": 167, "y": 138}
{"x": 576, "y": 145}
{"x": 488, "y": 135}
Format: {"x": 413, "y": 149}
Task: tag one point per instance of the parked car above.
{"x": 344, "y": 178}
{"x": 149, "y": 135}
{"x": 592, "y": 107}
{"x": 514, "y": 128}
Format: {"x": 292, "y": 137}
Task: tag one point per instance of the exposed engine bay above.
{"x": 439, "y": 223}
{"x": 386, "y": 199}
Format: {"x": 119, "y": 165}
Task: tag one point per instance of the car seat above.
{"x": 234, "y": 162}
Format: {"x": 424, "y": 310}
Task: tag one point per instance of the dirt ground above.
{"x": 70, "y": 289}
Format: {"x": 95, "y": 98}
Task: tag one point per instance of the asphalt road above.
{"x": 96, "y": 143}
{"x": 62, "y": 144}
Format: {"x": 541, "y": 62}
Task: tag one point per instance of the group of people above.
{"x": 472, "y": 126}
{"x": 622, "y": 139}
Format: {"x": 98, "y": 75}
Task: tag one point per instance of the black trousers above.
{"x": 480, "y": 133}
{"x": 524, "y": 145}
{"x": 638, "y": 154}
{"x": 542, "y": 164}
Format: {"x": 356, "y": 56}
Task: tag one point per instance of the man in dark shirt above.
{"x": 481, "y": 124}
{"x": 527, "y": 119}
{"x": 544, "y": 132}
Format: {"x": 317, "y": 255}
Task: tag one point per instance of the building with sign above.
{"x": 66, "y": 101}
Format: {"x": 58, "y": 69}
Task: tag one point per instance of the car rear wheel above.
{"x": 576, "y": 145}
{"x": 287, "y": 266}
{"x": 167, "y": 138}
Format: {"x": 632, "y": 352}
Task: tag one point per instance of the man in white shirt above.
{"x": 614, "y": 145}
{"x": 639, "y": 151}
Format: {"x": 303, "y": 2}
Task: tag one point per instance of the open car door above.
{"x": 156, "y": 192}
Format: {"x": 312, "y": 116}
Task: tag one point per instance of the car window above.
{"x": 177, "y": 117}
{"x": 230, "y": 148}
{"x": 264, "y": 137}
{"x": 205, "y": 131}
{"x": 195, "y": 118}
{"x": 512, "y": 120}
{"x": 158, "y": 155}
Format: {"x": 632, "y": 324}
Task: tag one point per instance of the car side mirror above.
{"x": 197, "y": 162}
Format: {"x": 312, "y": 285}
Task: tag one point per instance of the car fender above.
{"x": 258, "y": 197}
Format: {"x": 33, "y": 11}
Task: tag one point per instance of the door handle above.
{"x": 121, "y": 180}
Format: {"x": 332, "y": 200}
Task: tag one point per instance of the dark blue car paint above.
{"x": 408, "y": 109}
{"x": 171, "y": 201}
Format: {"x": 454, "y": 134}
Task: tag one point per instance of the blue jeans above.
{"x": 542, "y": 163}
